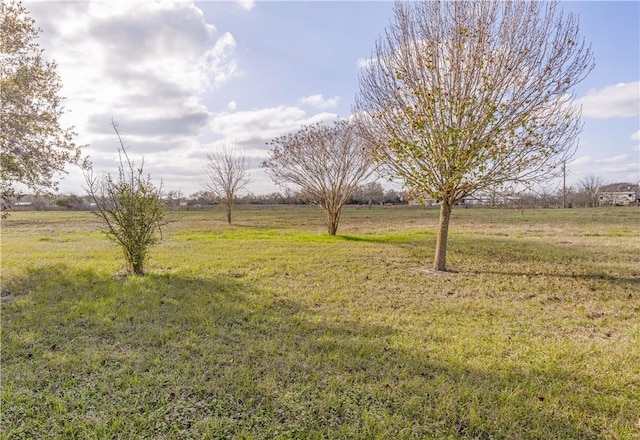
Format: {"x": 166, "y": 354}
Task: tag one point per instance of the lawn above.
{"x": 272, "y": 329}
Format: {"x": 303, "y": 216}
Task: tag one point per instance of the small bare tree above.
{"x": 130, "y": 207}
{"x": 226, "y": 174}
{"x": 465, "y": 96}
{"x": 590, "y": 187}
{"x": 327, "y": 163}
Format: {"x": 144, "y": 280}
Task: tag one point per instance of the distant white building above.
{"x": 491, "y": 199}
{"x": 617, "y": 198}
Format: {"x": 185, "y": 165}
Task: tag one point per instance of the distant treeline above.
{"x": 370, "y": 194}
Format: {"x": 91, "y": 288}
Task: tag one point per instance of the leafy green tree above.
{"x": 326, "y": 163}
{"x": 34, "y": 147}
{"x": 130, "y": 207}
{"x": 465, "y": 96}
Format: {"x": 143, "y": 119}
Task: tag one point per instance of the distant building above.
{"x": 490, "y": 199}
{"x": 23, "y": 206}
{"x": 617, "y": 198}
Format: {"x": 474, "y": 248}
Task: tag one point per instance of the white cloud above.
{"x": 217, "y": 62}
{"x": 149, "y": 66}
{"x": 264, "y": 124}
{"x": 320, "y": 102}
{"x": 247, "y": 5}
{"x": 618, "y": 168}
{"x": 146, "y": 64}
{"x": 635, "y": 136}
{"x": 620, "y": 158}
{"x": 616, "y": 101}
{"x": 582, "y": 160}
{"x": 365, "y": 62}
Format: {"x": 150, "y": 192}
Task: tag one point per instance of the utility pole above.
{"x": 564, "y": 184}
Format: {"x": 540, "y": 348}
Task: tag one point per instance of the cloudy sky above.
{"x": 182, "y": 78}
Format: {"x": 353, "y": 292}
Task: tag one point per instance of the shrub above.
{"x": 130, "y": 207}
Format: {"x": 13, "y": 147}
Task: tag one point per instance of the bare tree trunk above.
{"x": 440, "y": 259}
{"x": 333, "y": 217}
{"x": 229, "y": 204}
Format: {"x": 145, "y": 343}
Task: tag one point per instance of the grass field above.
{"x": 271, "y": 329}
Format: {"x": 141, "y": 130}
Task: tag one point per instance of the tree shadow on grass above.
{"x": 171, "y": 356}
{"x": 626, "y": 282}
{"x": 382, "y": 239}
{"x": 514, "y": 257}
{"x": 518, "y": 257}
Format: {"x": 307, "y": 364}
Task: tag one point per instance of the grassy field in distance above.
{"x": 272, "y": 329}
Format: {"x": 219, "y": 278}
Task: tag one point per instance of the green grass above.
{"x": 270, "y": 328}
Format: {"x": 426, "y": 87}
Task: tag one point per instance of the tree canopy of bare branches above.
{"x": 590, "y": 186}
{"x": 34, "y": 147}
{"x": 226, "y": 174}
{"x": 327, "y": 163}
{"x": 130, "y": 207}
{"x": 464, "y": 96}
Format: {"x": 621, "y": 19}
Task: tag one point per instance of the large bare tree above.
{"x": 464, "y": 96}
{"x": 326, "y": 162}
{"x": 226, "y": 174}
{"x": 34, "y": 146}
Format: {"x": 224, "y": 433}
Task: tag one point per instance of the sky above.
{"x": 184, "y": 78}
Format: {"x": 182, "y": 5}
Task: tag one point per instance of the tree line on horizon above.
{"x": 581, "y": 195}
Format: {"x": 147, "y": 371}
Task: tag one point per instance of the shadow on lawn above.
{"x": 168, "y": 356}
{"x": 626, "y": 281}
{"x": 385, "y": 239}
{"x": 517, "y": 257}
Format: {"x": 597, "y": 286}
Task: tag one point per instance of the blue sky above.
{"x": 184, "y": 78}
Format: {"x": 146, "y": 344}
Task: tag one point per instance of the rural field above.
{"x": 272, "y": 329}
